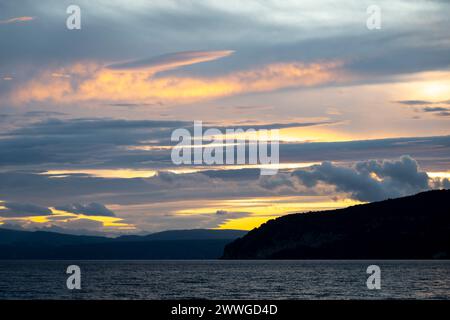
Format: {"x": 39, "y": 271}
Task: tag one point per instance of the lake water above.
{"x": 225, "y": 280}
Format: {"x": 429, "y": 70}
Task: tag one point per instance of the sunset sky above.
{"x": 86, "y": 115}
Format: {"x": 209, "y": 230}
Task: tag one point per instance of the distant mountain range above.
{"x": 177, "y": 244}
{"x": 414, "y": 227}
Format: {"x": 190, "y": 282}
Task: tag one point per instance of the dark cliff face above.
{"x": 415, "y": 227}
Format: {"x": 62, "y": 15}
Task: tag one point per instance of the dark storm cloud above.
{"x": 14, "y": 209}
{"x": 371, "y": 180}
{"x": 90, "y": 209}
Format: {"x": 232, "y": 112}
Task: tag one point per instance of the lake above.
{"x": 217, "y": 279}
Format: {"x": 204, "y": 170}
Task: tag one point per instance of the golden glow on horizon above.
{"x": 259, "y": 210}
{"x": 65, "y": 216}
{"x": 441, "y": 175}
{"x": 247, "y": 223}
{"x": 313, "y": 134}
{"x": 318, "y": 133}
{"x": 113, "y": 222}
{"x": 245, "y": 213}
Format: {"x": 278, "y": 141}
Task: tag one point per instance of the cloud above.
{"x": 415, "y": 102}
{"x": 153, "y": 203}
{"x": 84, "y": 141}
{"x": 434, "y": 109}
{"x": 170, "y": 61}
{"x": 91, "y": 209}
{"x": 446, "y": 183}
{"x": 440, "y": 183}
{"x": 276, "y": 181}
{"x": 132, "y": 104}
{"x": 262, "y": 34}
{"x": 91, "y": 82}
{"x": 83, "y": 145}
{"x": 74, "y": 218}
{"x": 14, "y": 209}
{"x": 82, "y": 126}
{"x": 70, "y": 226}
{"x": 420, "y": 105}
{"x": 421, "y": 102}
{"x": 17, "y": 20}
{"x": 113, "y": 143}
{"x": 371, "y": 180}
{"x": 439, "y": 111}
{"x": 273, "y": 126}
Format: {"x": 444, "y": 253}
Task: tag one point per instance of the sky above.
{"x": 86, "y": 115}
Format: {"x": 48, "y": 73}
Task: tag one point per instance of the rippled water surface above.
{"x": 225, "y": 280}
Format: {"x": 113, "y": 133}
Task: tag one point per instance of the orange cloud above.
{"x": 16, "y": 19}
{"x": 91, "y": 82}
